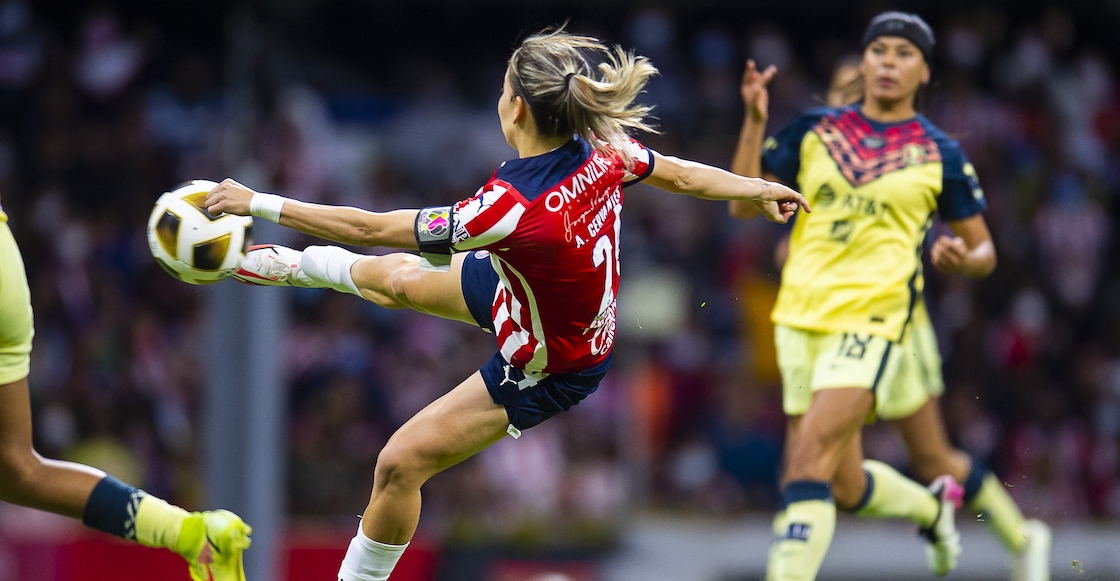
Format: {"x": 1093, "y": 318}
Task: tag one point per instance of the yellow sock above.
{"x": 998, "y": 510}
{"x": 158, "y": 523}
{"x": 804, "y": 532}
{"x": 778, "y": 527}
{"x": 893, "y": 495}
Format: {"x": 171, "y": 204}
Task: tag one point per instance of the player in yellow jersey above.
{"x": 211, "y": 542}
{"x": 852, "y": 333}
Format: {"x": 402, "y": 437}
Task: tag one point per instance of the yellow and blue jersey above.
{"x": 855, "y": 262}
{"x": 16, "y": 318}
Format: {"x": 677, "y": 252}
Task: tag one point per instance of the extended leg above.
{"x": 396, "y": 281}
{"x": 393, "y": 281}
{"x": 451, "y": 429}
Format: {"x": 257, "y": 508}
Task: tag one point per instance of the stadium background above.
{"x": 390, "y": 104}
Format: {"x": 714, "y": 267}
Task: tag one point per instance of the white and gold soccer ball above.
{"x": 189, "y": 243}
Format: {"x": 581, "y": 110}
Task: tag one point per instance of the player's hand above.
{"x": 948, "y": 254}
{"x": 778, "y": 202}
{"x": 756, "y": 97}
{"x": 229, "y": 197}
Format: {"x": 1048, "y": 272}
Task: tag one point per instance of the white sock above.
{"x": 329, "y": 267}
{"x": 369, "y": 560}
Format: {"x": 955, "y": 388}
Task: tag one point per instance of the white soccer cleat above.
{"x": 1033, "y": 562}
{"x": 272, "y": 265}
{"x": 944, "y": 546}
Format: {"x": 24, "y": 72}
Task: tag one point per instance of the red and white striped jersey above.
{"x": 551, "y": 223}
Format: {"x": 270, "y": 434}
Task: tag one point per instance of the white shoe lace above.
{"x": 270, "y": 266}
{"x": 279, "y": 270}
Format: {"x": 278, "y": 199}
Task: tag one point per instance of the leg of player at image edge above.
{"x": 211, "y": 542}
{"x": 1027, "y": 541}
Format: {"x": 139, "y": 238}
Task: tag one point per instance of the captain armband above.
{"x": 433, "y": 230}
{"x": 433, "y": 237}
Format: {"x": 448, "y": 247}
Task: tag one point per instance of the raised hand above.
{"x": 756, "y": 97}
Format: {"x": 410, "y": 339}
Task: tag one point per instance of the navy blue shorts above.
{"x": 527, "y": 402}
{"x": 480, "y": 284}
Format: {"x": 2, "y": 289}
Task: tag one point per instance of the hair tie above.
{"x": 568, "y": 78}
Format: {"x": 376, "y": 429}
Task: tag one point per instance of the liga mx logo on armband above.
{"x": 436, "y": 221}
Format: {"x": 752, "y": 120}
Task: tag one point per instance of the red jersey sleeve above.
{"x": 641, "y": 160}
{"x": 488, "y": 218}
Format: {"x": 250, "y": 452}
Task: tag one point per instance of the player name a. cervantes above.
{"x": 601, "y": 207}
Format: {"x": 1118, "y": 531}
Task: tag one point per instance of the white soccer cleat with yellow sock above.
{"x": 272, "y": 265}
{"x": 944, "y": 546}
{"x": 1032, "y": 563}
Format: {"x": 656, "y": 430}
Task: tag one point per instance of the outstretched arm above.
{"x": 681, "y": 176}
{"x": 971, "y": 252}
{"x": 347, "y": 225}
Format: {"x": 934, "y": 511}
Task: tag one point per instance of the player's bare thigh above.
{"x": 834, "y": 419}
{"x": 396, "y": 281}
{"x": 931, "y": 453}
{"x": 447, "y": 431}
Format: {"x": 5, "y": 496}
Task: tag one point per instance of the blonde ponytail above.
{"x": 552, "y": 72}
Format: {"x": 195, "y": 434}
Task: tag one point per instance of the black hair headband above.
{"x": 908, "y": 26}
{"x": 517, "y": 86}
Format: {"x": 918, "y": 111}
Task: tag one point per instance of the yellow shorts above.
{"x": 919, "y": 374}
{"x": 812, "y": 361}
{"x": 16, "y": 322}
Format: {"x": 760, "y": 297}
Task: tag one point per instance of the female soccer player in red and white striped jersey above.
{"x": 532, "y": 257}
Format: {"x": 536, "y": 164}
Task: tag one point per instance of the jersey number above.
{"x": 605, "y": 253}
{"x": 853, "y": 347}
{"x": 600, "y": 255}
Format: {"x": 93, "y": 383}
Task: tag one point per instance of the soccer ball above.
{"x": 189, "y": 243}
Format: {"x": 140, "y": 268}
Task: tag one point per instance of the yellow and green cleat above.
{"x": 212, "y": 543}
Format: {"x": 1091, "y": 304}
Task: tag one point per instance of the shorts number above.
{"x": 853, "y": 346}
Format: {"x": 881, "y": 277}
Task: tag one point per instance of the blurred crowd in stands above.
{"x": 97, "y": 119}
